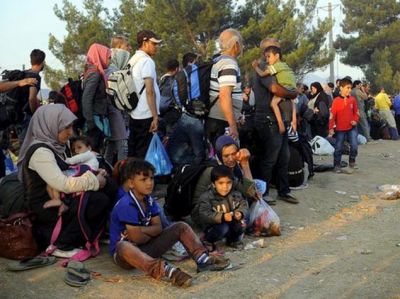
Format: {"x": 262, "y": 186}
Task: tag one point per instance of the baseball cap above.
{"x": 146, "y": 35}
{"x": 269, "y": 42}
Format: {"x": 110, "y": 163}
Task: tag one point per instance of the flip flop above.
{"x": 31, "y": 263}
{"x": 76, "y": 274}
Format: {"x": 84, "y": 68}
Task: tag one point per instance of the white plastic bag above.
{"x": 321, "y": 146}
{"x": 264, "y": 220}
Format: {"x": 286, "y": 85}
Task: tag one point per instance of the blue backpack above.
{"x": 191, "y": 89}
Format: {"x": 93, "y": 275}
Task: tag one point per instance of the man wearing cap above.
{"x": 225, "y": 87}
{"x": 275, "y": 149}
{"x": 144, "y": 118}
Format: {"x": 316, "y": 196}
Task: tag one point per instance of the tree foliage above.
{"x": 194, "y": 25}
{"x": 371, "y": 40}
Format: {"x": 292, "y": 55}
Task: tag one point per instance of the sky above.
{"x": 26, "y": 25}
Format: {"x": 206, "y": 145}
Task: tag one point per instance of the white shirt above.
{"x": 144, "y": 67}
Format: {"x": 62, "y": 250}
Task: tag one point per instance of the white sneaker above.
{"x": 65, "y": 254}
{"x": 179, "y": 250}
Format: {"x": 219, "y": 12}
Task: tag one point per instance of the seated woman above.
{"x": 41, "y": 163}
{"x": 230, "y": 155}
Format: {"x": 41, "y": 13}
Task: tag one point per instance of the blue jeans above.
{"x": 275, "y": 155}
{"x": 187, "y": 143}
{"x": 352, "y": 139}
{"x": 232, "y": 231}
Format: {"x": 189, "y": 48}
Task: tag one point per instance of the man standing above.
{"x": 275, "y": 148}
{"x": 225, "y": 87}
{"x": 144, "y": 118}
{"x": 361, "y": 97}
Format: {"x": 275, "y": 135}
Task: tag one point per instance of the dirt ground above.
{"x": 337, "y": 243}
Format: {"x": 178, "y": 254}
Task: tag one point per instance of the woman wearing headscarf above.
{"x": 320, "y": 105}
{"x": 42, "y": 162}
{"x": 117, "y": 144}
{"x": 94, "y": 97}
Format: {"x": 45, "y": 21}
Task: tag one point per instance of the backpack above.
{"x": 11, "y": 110}
{"x": 295, "y": 169}
{"x": 12, "y": 195}
{"x": 121, "y": 88}
{"x": 178, "y": 201}
{"x": 72, "y": 92}
{"x": 166, "y": 96}
{"x": 191, "y": 89}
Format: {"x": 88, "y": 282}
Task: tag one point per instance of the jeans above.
{"x": 187, "y": 144}
{"x": 232, "y": 231}
{"x": 118, "y": 148}
{"x": 275, "y": 155}
{"x": 363, "y": 123}
{"x": 352, "y": 139}
{"x": 146, "y": 257}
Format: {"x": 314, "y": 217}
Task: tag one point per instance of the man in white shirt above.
{"x": 144, "y": 118}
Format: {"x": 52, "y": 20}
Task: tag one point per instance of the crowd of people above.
{"x": 245, "y": 134}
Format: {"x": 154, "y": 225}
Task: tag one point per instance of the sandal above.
{"x": 77, "y": 275}
{"x": 31, "y": 263}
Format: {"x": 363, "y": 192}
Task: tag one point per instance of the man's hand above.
{"x": 154, "y": 125}
{"x": 228, "y": 217}
{"x": 27, "y": 81}
{"x": 237, "y": 215}
{"x": 243, "y": 156}
{"x": 353, "y": 123}
{"x": 331, "y": 132}
{"x": 233, "y": 132}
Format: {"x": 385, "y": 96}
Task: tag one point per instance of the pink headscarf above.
{"x": 97, "y": 59}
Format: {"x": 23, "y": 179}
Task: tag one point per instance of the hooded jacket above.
{"x": 212, "y": 206}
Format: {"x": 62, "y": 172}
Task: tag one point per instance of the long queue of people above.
{"x": 240, "y": 138}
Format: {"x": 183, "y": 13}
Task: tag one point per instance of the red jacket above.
{"x": 343, "y": 111}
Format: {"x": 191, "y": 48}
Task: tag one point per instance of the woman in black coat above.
{"x": 320, "y": 105}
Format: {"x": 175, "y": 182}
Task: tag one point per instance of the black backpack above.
{"x": 12, "y": 196}
{"x": 178, "y": 201}
{"x": 191, "y": 88}
{"x": 296, "y": 165}
{"x": 11, "y": 109}
{"x": 72, "y": 92}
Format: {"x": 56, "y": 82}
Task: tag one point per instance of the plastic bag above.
{"x": 321, "y": 146}
{"x": 264, "y": 220}
{"x": 158, "y": 157}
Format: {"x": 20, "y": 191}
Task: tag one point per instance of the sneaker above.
{"x": 214, "y": 263}
{"x": 337, "y": 169}
{"x": 347, "y": 170}
{"x": 181, "y": 279}
{"x": 65, "y": 254}
{"x": 353, "y": 165}
{"x": 288, "y": 198}
{"x": 239, "y": 245}
{"x": 269, "y": 200}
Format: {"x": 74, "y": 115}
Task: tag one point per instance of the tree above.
{"x": 302, "y": 43}
{"x": 84, "y": 29}
{"x": 371, "y": 40}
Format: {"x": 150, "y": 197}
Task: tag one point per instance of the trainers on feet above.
{"x": 288, "y": 198}
{"x": 236, "y": 245}
{"x": 214, "y": 263}
{"x": 353, "y": 165}
{"x": 269, "y": 200}
{"x": 181, "y": 279}
{"x": 337, "y": 169}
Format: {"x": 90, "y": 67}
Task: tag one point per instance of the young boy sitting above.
{"x": 222, "y": 211}
{"x": 344, "y": 114}
{"x": 285, "y": 77}
{"x": 137, "y": 239}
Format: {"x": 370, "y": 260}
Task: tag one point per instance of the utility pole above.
{"x": 330, "y": 9}
{"x": 332, "y": 71}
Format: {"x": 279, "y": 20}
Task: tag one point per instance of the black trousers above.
{"x": 215, "y": 128}
{"x": 139, "y": 137}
